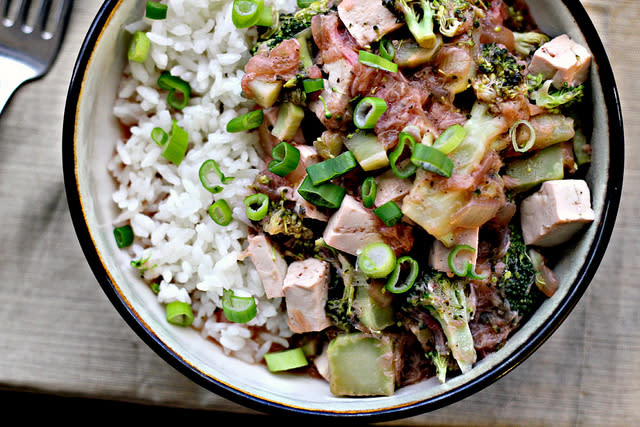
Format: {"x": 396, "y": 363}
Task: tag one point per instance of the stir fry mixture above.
{"x": 422, "y": 159}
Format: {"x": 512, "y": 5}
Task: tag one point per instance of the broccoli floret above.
{"x": 445, "y": 299}
{"x": 451, "y": 15}
{"x": 500, "y": 76}
{"x": 552, "y": 99}
{"x": 291, "y": 25}
{"x": 518, "y": 279}
{"x": 418, "y": 14}
{"x": 441, "y": 363}
{"x": 342, "y": 292}
{"x": 528, "y": 42}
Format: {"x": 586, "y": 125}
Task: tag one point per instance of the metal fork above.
{"x": 31, "y": 32}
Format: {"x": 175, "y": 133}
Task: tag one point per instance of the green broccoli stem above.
{"x": 419, "y": 22}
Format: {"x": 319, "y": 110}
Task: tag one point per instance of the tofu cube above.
{"x": 563, "y": 61}
{"x": 439, "y": 253}
{"x": 352, "y": 227}
{"x": 269, "y": 263}
{"x": 306, "y": 289}
{"x": 367, "y": 20}
{"x": 556, "y": 212}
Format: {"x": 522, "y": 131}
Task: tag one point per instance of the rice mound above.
{"x": 178, "y": 245}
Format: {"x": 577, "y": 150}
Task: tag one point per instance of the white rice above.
{"x": 192, "y": 257}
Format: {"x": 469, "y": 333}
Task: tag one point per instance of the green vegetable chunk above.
{"x": 370, "y": 313}
{"x": 289, "y": 118}
{"x": 544, "y": 165}
{"x": 361, "y": 365}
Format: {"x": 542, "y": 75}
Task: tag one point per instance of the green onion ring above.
{"x": 123, "y": 236}
{"x": 387, "y": 51}
{"x": 312, "y": 85}
{"x": 397, "y": 286}
{"x": 139, "y": 47}
{"x": 285, "y": 159}
{"x": 179, "y": 90}
{"x": 159, "y": 136}
{"x": 328, "y": 169}
{"x": 179, "y": 313}
{"x": 156, "y": 10}
{"x": 450, "y": 139}
{"x": 176, "y": 147}
{"x": 257, "y": 206}
{"x": 248, "y": 121}
{"x": 377, "y": 260}
{"x": 220, "y": 212}
{"x": 286, "y": 360}
{"x": 368, "y": 111}
{"x": 432, "y": 160}
{"x": 376, "y": 61}
{"x": 368, "y": 191}
{"x": 513, "y": 132}
{"x": 328, "y": 194}
{"x": 468, "y": 270}
{"x": 405, "y": 140}
{"x": 246, "y": 13}
{"x": 238, "y": 309}
{"x": 390, "y": 213}
{"x": 205, "y": 171}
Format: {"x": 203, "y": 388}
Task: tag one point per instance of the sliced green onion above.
{"x": 179, "y": 90}
{"x": 266, "y": 17}
{"x": 312, "y": 85}
{"x": 123, "y": 236}
{"x": 368, "y": 111}
{"x": 432, "y": 159}
{"x": 220, "y": 212}
{"x": 248, "y": 121}
{"x": 467, "y": 270}
{"x": 328, "y": 169}
{"x": 450, "y": 139}
{"x": 139, "y": 47}
{"x": 302, "y": 4}
{"x": 204, "y": 174}
{"x": 159, "y": 136}
{"x": 156, "y": 10}
{"x": 285, "y": 360}
{"x": 376, "y": 61}
{"x": 377, "y": 260}
{"x": 513, "y": 132}
{"x": 405, "y": 141}
{"x": 387, "y": 51}
{"x": 238, "y": 309}
{"x": 327, "y": 195}
{"x": 176, "y": 147}
{"x": 179, "y": 313}
{"x": 399, "y": 283}
{"x": 246, "y": 13}
{"x": 257, "y": 206}
{"x": 285, "y": 159}
{"x": 369, "y": 190}
{"x": 390, "y": 213}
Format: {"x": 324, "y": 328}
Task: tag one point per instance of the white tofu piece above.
{"x": 367, "y": 20}
{"x": 562, "y": 60}
{"x": 439, "y": 253}
{"x": 306, "y": 289}
{"x": 352, "y": 227}
{"x": 391, "y": 188}
{"x": 556, "y": 212}
{"x": 269, "y": 263}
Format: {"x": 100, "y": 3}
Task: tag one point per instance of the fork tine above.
{"x": 23, "y": 12}
{"x": 42, "y": 16}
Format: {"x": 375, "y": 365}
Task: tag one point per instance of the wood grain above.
{"x": 60, "y": 335}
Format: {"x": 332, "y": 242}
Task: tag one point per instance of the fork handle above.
{"x": 12, "y": 75}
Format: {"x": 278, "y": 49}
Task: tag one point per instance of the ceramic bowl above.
{"x": 90, "y": 132}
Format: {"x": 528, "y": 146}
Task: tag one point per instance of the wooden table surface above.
{"x": 59, "y": 334}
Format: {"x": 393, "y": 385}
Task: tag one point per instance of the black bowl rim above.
{"x": 594, "y": 256}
